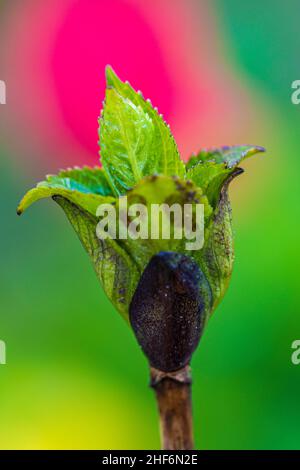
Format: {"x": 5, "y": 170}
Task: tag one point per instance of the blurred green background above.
{"x": 75, "y": 377}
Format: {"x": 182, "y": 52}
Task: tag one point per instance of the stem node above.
{"x": 173, "y": 394}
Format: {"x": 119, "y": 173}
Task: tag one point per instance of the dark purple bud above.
{"x": 169, "y": 308}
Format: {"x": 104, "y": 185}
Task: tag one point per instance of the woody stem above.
{"x": 173, "y": 394}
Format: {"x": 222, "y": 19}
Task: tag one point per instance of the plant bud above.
{"x": 169, "y": 308}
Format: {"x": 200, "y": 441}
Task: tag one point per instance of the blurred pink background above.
{"x": 54, "y": 57}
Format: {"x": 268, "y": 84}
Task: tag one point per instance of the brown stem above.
{"x": 173, "y": 393}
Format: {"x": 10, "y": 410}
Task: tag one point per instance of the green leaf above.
{"x": 209, "y": 177}
{"x": 229, "y": 155}
{"x": 83, "y": 187}
{"x": 127, "y": 141}
{"x": 217, "y": 256}
{"x": 79, "y": 192}
{"x": 211, "y": 168}
{"x": 160, "y": 190}
{"x": 85, "y": 179}
{"x": 116, "y": 271}
{"x": 134, "y": 136}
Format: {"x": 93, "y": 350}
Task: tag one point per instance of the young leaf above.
{"x": 229, "y": 155}
{"x": 209, "y": 176}
{"x": 217, "y": 256}
{"x": 79, "y": 192}
{"x": 84, "y": 187}
{"x": 213, "y": 170}
{"x": 115, "y": 269}
{"x": 163, "y": 156}
{"x": 127, "y": 141}
{"x": 210, "y": 168}
{"x": 159, "y": 190}
{"x": 86, "y": 179}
